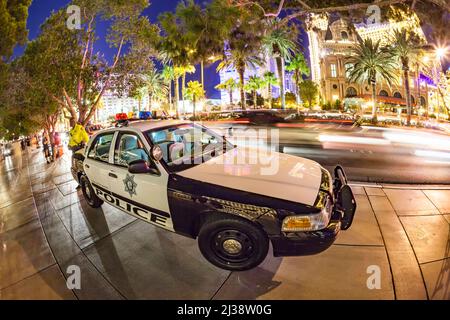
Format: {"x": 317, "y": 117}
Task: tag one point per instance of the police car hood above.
{"x": 272, "y": 174}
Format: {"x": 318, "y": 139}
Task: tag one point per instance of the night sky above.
{"x": 41, "y": 9}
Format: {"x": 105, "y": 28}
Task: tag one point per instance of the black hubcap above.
{"x": 232, "y": 246}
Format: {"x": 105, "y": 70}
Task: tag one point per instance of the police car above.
{"x": 185, "y": 178}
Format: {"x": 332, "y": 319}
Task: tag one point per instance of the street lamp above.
{"x": 441, "y": 53}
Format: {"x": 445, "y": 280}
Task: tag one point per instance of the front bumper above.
{"x": 313, "y": 242}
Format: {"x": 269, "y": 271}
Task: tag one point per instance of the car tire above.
{"x": 233, "y": 243}
{"x": 89, "y": 193}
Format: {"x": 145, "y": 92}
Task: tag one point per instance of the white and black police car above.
{"x": 187, "y": 179}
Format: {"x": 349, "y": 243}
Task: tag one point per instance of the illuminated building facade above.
{"x": 330, "y": 45}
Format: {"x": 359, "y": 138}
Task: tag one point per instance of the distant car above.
{"x": 261, "y": 117}
{"x": 174, "y": 175}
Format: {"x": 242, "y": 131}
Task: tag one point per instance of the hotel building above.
{"x": 330, "y": 45}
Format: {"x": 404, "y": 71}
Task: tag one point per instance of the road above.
{"x": 369, "y": 154}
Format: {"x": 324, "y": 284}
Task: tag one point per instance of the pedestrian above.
{"x": 46, "y": 146}
{"x": 78, "y": 136}
{"x": 58, "y": 147}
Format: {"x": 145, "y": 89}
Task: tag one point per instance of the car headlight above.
{"x": 311, "y": 222}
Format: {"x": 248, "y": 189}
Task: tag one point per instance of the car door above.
{"x": 141, "y": 195}
{"x": 97, "y": 163}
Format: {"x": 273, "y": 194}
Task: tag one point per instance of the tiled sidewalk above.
{"x": 46, "y": 226}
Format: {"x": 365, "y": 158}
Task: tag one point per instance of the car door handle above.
{"x": 113, "y": 175}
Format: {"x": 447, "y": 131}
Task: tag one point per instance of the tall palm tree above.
{"x": 244, "y": 47}
{"x": 194, "y": 91}
{"x": 230, "y": 85}
{"x": 270, "y": 80}
{"x": 184, "y": 70}
{"x": 254, "y": 84}
{"x": 175, "y": 48}
{"x": 155, "y": 87}
{"x": 405, "y": 46}
{"x": 300, "y": 67}
{"x": 372, "y": 63}
{"x": 168, "y": 74}
{"x": 280, "y": 42}
{"x": 207, "y": 29}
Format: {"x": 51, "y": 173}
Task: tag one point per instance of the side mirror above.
{"x": 157, "y": 153}
{"x": 139, "y": 167}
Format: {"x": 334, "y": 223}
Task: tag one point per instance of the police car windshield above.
{"x": 188, "y": 145}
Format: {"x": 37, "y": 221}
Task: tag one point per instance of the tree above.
{"x": 138, "y": 94}
{"x": 13, "y": 31}
{"x": 300, "y": 68}
{"x": 244, "y": 48}
{"x": 229, "y": 86}
{"x": 254, "y": 84}
{"x": 279, "y": 43}
{"x": 405, "y": 45}
{"x": 168, "y": 75}
{"x": 83, "y": 75}
{"x": 270, "y": 80}
{"x": 13, "y": 26}
{"x": 28, "y": 107}
{"x": 309, "y": 91}
{"x": 155, "y": 87}
{"x": 370, "y": 64}
{"x": 175, "y": 47}
{"x": 194, "y": 91}
{"x": 206, "y": 29}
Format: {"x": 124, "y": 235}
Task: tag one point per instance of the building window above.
{"x": 344, "y": 35}
{"x": 333, "y": 70}
{"x": 384, "y": 93}
{"x": 351, "y": 92}
{"x": 398, "y": 95}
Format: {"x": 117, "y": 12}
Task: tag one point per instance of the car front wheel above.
{"x": 233, "y": 243}
{"x": 89, "y": 193}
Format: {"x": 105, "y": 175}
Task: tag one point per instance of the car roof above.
{"x": 143, "y": 126}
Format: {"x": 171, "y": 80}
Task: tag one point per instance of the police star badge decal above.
{"x": 130, "y": 185}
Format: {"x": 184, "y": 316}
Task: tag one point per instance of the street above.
{"x": 369, "y": 154}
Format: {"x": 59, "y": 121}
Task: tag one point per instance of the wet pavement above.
{"x": 402, "y": 232}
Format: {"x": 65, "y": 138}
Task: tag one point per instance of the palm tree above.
{"x": 405, "y": 46}
{"x": 168, "y": 74}
{"x": 175, "y": 48}
{"x": 139, "y": 94}
{"x": 244, "y": 48}
{"x": 155, "y": 87}
{"x": 254, "y": 84}
{"x": 280, "y": 43}
{"x": 270, "y": 80}
{"x": 185, "y": 69}
{"x": 194, "y": 91}
{"x": 371, "y": 63}
{"x": 300, "y": 67}
{"x": 207, "y": 29}
{"x": 309, "y": 91}
{"x": 230, "y": 85}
